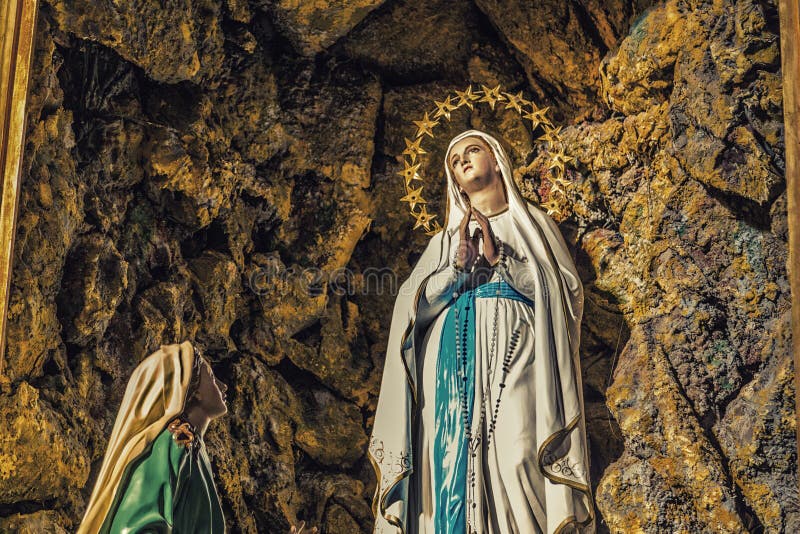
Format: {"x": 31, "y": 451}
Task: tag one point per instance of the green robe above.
{"x": 168, "y": 489}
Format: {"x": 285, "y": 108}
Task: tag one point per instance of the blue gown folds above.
{"x": 450, "y": 445}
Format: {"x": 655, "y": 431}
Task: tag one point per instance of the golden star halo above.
{"x": 492, "y": 96}
{"x": 559, "y": 159}
{"x": 466, "y": 98}
{"x": 414, "y": 197}
{"x": 413, "y": 149}
{"x": 409, "y": 172}
{"x": 515, "y": 102}
{"x": 425, "y": 126}
{"x": 443, "y": 109}
{"x": 424, "y": 218}
{"x": 551, "y": 135}
{"x": 559, "y": 186}
{"x": 537, "y": 116}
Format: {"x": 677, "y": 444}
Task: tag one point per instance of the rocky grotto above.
{"x": 177, "y": 152}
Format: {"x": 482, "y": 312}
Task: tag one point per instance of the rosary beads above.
{"x": 506, "y": 366}
{"x": 501, "y": 260}
{"x": 473, "y": 444}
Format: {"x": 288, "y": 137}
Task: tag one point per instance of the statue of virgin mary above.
{"x": 479, "y": 425}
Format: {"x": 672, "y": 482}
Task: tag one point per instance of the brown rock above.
{"x": 718, "y": 133}
{"x": 181, "y": 43}
{"x": 560, "y": 45}
{"x": 232, "y": 475}
{"x": 338, "y": 520}
{"x": 314, "y": 26}
{"x": 330, "y": 351}
{"x": 41, "y": 457}
{"x": 249, "y": 110}
{"x": 423, "y": 37}
{"x": 217, "y": 284}
{"x": 335, "y": 501}
{"x": 757, "y": 434}
{"x": 43, "y": 522}
{"x": 53, "y": 210}
{"x": 263, "y": 412}
{"x": 162, "y": 312}
{"x": 633, "y": 78}
{"x": 331, "y": 431}
{"x": 667, "y": 458}
{"x": 181, "y": 165}
{"x": 244, "y": 186}
{"x": 340, "y": 147}
{"x": 290, "y": 299}
{"x": 95, "y": 279}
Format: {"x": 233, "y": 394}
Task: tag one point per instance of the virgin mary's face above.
{"x": 473, "y": 164}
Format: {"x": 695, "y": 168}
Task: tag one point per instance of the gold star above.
{"x": 537, "y": 116}
{"x": 551, "y": 135}
{"x": 560, "y": 179}
{"x": 409, "y": 172}
{"x": 436, "y": 227}
{"x": 492, "y": 96}
{"x": 425, "y": 125}
{"x": 424, "y": 218}
{"x": 515, "y": 101}
{"x": 533, "y": 118}
{"x": 444, "y": 108}
{"x": 413, "y": 149}
{"x": 552, "y": 207}
{"x": 413, "y": 198}
{"x": 465, "y": 98}
{"x": 560, "y": 183}
{"x": 559, "y": 159}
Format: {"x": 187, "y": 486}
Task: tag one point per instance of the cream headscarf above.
{"x": 555, "y": 288}
{"x": 156, "y": 393}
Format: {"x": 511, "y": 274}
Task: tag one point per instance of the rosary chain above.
{"x": 461, "y": 357}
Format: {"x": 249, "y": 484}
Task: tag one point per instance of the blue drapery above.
{"x": 450, "y": 443}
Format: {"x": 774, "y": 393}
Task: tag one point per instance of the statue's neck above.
{"x": 489, "y": 200}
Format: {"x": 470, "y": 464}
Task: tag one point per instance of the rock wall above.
{"x": 204, "y": 172}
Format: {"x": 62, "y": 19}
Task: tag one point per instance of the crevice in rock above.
{"x": 771, "y": 15}
{"x": 379, "y": 158}
{"x": 589, "y": 27}
{"x": 776, "y": 158}
{"x": 193, "y": 246}
{"x": 216, "y": 237}
{"x": 267, "y": 37}
{"x": 304, "y": 382}
{"x": 26, "y": 507}
{"x": 311, "y": 335}
{"x": 263, "y": 235}
{"x": 743, "y": 509}
{"x": 744, "y": 209}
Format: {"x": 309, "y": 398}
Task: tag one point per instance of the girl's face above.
{"x": 211, "y": 392}
{"x": 473, "y": 164}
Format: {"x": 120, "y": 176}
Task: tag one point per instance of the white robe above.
{"x": 550, "y": 441}
{"x": 506, "y": 474}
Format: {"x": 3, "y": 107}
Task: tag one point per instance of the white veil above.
{"x": 557, "y": 293}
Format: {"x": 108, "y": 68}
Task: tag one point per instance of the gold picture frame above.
{"x": 789, "y": 12}
{"x": 16, "y": 50}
